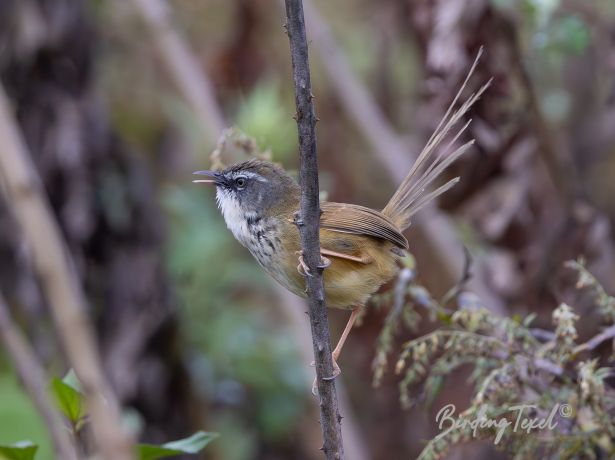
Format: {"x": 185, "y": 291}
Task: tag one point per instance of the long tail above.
{"x": 412, "y": 194}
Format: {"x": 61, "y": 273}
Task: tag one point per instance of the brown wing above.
{"x": 358, "y": 220}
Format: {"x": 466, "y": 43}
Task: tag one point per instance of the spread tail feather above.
{"x": 412, "y": 194}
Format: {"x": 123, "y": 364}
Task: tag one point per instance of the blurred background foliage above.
{"x": 246, "y": 375}
{"x": 248, "y": 366}
{"x": 19, "y": 419}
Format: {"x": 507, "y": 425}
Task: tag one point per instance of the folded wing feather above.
{"x": 359, "y": 220}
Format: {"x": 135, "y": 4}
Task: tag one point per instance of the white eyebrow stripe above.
{"x": 249, "y": 174}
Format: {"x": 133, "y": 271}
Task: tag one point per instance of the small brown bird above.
{"x": 362, "y": 246}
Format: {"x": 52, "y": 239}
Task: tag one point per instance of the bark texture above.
{"x": 309, "y": 224}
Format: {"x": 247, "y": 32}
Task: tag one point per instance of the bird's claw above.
{"x": 297, "y": 220}
{"x": 324, "y": 263}
{"x": 304, "y": 270}
{"x": 336, "y": 371}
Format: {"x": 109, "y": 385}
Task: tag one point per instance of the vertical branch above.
{"x": 309, "y": 223}
{"x": 32, "y": 376}
{"x": 27, "y": 202}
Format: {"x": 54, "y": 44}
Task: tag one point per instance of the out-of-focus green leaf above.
{"x": 23, "y": 450}
{"x": 541, "y": 10}
{"x": 572, "y": 34}
{"x": 262, "y": 116}
{"x": 228, "y": 317}
{"x": 72, "y": 381}
{"x": 19, "y": 419}
{"x": 434, "y": 389}
{"x": 191, "y": 445}
{"x": 152, "y": 452}
{"x": 69, "y": 400}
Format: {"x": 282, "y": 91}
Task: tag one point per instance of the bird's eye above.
{"x": 240, "y": 182}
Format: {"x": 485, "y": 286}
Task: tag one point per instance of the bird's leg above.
{"x": 340, "y": 344}
{"x": 338, "y": 348}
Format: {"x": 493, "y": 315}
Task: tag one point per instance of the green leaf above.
{"x": 69, "y": 400}
{"x": 191, "y": 445}
{"x": 152, "y": 452}
{"x": 573, "y": 34}
{"x": 23, "y": 450}
{"x": 446, "y": 318}
{"x": 262, "y": 116}
{"x": 529, "y": 319}
{"x": 434, "y": 389}
{"x": 72, "y": 381}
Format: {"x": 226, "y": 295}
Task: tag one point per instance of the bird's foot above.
{"x": 324, "y": 262}
{"x": 336, "y": 371}
{"x": 297, "y": 220}
{"x": 304, "y": 270}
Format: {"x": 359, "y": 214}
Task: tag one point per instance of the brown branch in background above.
{"x": 26, "y": 200}
{"x": 607, "y": 334}
{"x": 396, "y": 155}
{"x": 32, "y": 375}
{"x": 557, "y": 158}
{"x": 309, "y": 228}
{"x": 182, "y": 65}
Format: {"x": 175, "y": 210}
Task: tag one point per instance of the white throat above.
{"x": 235, "y": 218}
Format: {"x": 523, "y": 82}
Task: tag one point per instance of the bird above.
{"x": 360, "y": 247}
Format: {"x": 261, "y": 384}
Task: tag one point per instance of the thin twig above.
{"x": 542, "y": 335}
{"x": 27, "y": 201}
{"x": 465, "y": 278}
{"x": 608, "y": 333}
{"x": 32, "y": 376}
{"x": 309, "y": 224}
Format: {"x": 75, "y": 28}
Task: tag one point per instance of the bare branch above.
{"x": 32, "y": 376}
{"x": 25, "y": 198}
{"x": 309, "y": 224}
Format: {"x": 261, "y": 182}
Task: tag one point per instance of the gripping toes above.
{"x": 304, "y": 270}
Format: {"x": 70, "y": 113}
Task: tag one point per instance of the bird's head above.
{"x": 252, "y": 188}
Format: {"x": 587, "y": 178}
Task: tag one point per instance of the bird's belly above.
{"x": 354, "y": 283}
{"x": 347, "y": 284}
{"x": 274, "y": 259}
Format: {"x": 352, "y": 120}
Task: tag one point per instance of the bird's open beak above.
{"x": 214, "y": 175}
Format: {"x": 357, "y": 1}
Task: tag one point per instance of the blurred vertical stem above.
{"x": 308, "y": 223}
{"x": 32, "y": 376}
{"x": 26, "y": 200}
